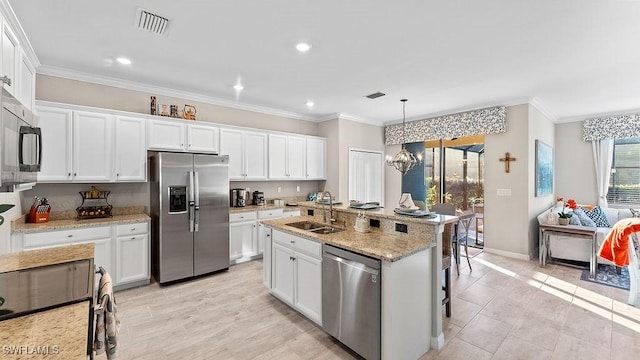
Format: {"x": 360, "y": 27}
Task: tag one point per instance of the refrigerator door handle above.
{"x": 196, "y": 209}
{"x": 191, "y": 203}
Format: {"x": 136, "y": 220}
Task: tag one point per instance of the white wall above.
{"x": 574, "y": 168}
{"x": 14, "y": 213}
{"x": 330, "y": 130}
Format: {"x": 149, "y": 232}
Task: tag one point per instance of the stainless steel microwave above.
{"x": 21, "y": 144}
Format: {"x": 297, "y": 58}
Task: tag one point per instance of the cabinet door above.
{"x": 132, "y": 258}
{"x": 102, "y": 257}
{"x": 202, "y": 138}
{"x": 316, "y": 158}
{"x": 10, "y": 54}
{"x": 308, "y": 286}
{"x": 26, "y": 81}
{"x": 296, "y": 157}
{"x": 255, "y": 156}
{"x": 232, "y": 144}
{"x": 282, "y": 273}
{"x": 241, "y": 239}
{"x": 277, "y": 157}
{"x": 165, "y": 135}
{"x": 92, "y": 146}
{"x": 264, "y": 238}
{"x": 131, "y": 150}
{"x": 56, "y": 126}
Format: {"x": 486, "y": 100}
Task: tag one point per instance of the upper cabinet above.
{"x": 26, "y": 82}
{"x": 92, "y": 146}
{"x": 56, "y": 125}
{"x": 247, "y": 152}
{"x": 316, "y": 158}
{"x": 10, "y": 58}
{"x": 131, "y": 149}
{"x": 287, "y": 160}
{"x": 169, "y": 134}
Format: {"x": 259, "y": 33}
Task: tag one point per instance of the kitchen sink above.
{"x": 314, "y": 227}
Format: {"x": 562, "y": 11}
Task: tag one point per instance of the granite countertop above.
{"x": 62, "y": 332}
{"x": 379, "y": 245}
{"x": 250, "y": 208}
{"x": 35, "y": 258}
{"x": 20, "y": 226}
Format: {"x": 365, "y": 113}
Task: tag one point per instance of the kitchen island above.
{"x": 411, "y": 296}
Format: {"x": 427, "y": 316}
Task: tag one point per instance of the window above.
{"x": 624, "y": 185}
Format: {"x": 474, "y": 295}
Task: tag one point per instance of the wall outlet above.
{"x": 248, "y": 190}
{"x": 374, "y": 223}
{"x": 504, "y": 192}
{"x": 298, "y": 188}
{"x": 279, "y": 189}
{"x": 401, "y": 228}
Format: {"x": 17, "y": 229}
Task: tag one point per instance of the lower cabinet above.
{"x": 121, "y": 249}
{"x": 297, "y": 273}
{"x": 264, "y": 238}
{"x": 242, "y": 240}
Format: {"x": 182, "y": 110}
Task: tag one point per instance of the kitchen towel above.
{"x": 107, "y": 324}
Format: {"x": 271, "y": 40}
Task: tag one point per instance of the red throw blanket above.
{"x": 615, "y": 247}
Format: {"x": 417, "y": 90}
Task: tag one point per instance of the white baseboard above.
{"x": 508, "y": 254}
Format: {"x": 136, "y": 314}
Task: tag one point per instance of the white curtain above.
{"x": 602, "y": 157}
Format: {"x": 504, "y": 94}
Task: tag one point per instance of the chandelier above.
{"x": 403, "y": 161}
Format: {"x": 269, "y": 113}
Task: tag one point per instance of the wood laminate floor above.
{"x": 503, "y": 309}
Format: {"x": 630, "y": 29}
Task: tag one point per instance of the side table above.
{"x": 583, "y": 232}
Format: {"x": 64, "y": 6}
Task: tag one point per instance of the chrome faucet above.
{"x": 324, "y": 208}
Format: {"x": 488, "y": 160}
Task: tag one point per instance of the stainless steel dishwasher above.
{"x": 351, "y": 300}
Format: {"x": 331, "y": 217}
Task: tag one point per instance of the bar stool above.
{"x": 464, "y": 223}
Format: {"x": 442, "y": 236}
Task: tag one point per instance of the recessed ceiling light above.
{"x": 310, "y": 103}
{"x": 303, "y": 47}
{"x": 123, "y": 61}
{"x": 238, "y": 87}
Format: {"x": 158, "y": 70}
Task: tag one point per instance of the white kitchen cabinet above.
{"x": 264, "y": 238}
{"x": 130, "y": 149}
{"x": 26, "y": 81}
{"x": 165, "y": 135}
{"x": 10, "y": 58}
{"x": 56, "y": 125}
{"x": 203, "y": 138}
{"x": 296, "y": 276}
{"x": 242, "y": 240}
{"x": 247, "y": 152}
{"x": 316, "y": 158}
{"x": 101, "y": 255}
{"x": 287, "y": 157}
{"x": 92, "y": 146}
{"x": 132, "y": 258}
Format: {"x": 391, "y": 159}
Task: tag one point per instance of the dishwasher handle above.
{"x": 351, "y": 263}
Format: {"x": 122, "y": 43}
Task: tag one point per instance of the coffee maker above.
{"x": 258, "y": 198}
{"x": 238, "y": 197}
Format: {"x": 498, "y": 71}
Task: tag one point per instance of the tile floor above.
{"x": 503, "y": 309}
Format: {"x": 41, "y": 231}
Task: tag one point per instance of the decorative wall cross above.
{"x": 507, "y": 158}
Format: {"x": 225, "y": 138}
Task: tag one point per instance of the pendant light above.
{"x": 403, "y": 161}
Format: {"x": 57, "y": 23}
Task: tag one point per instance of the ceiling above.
{"x": 573, "y": 58}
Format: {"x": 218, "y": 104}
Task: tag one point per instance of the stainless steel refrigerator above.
{"x": 189, "y": 209}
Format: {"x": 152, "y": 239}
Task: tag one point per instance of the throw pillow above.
{"x": 598, "y": 216}
{"x": 635, "y": 213}
{"x": 575, "y": 220}
{"x": 584, "y": 219}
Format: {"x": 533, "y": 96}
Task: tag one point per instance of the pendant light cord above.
{"x": 404, "y": 136}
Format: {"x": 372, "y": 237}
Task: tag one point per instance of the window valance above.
{"x": 612, "y": 127}
{"x": 483, "y": 121}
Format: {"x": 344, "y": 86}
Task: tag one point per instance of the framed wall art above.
{"x": 544, "y": 169}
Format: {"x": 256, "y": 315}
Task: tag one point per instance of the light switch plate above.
{"x": 504, "y": 192}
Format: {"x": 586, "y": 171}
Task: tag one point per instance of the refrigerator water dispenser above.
{"x": 177, "y": 199}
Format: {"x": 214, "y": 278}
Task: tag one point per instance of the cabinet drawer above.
{"x": 243, "y": 216}
{"x": 65, "y": 236}
{"x": 270, "y": 214}
{"x": 132, "y": 229}
{"x": 291, "y": 213}
{"x": 299, "y": 244}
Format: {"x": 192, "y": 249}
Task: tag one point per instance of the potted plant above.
{"x": 564, "y": 216}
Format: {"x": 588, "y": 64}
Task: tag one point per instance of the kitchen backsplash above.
{"x": 288, "y": 189}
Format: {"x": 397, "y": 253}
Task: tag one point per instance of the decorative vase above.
{"x": 563, "y": 221}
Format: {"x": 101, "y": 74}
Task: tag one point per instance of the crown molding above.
{"x": 344, "y": 116}
{"x": 159, "y": 90}
{"x": 568, "y": 119}
{"x": 540, "y": 106}
{"x": 10, "y": 16}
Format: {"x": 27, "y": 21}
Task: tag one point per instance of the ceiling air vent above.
{"x": 146, "y": 20}
{"x": 375, "y": 95}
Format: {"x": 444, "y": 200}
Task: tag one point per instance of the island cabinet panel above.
{"x": 297, "y": 273}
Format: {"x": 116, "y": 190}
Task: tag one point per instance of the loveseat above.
{"x": 575, "y": 248}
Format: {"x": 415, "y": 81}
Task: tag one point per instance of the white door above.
{"x": 365, "y": 176}
{"x": 255, "y": 156}
{"x": 26, "y": 81}
{"x": 131, "y": 149}
{"x": 56, "y": 127}
{"x": 92, "y": 146}
{"x": 202, "y": 138}
{"x": 296, "y": 157}
{"x": 316, "y": 158}
{"x": 232, "y": 144}
{"x": 282, "y": 273}
{"x": 277, "y": 157}
{"x": 102, "y": 257}
{"x": 165, "y": 135}
{"x": 132, "y": 258}
{"x": 308, "y": 285}
{"x": 10, "y": 55}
